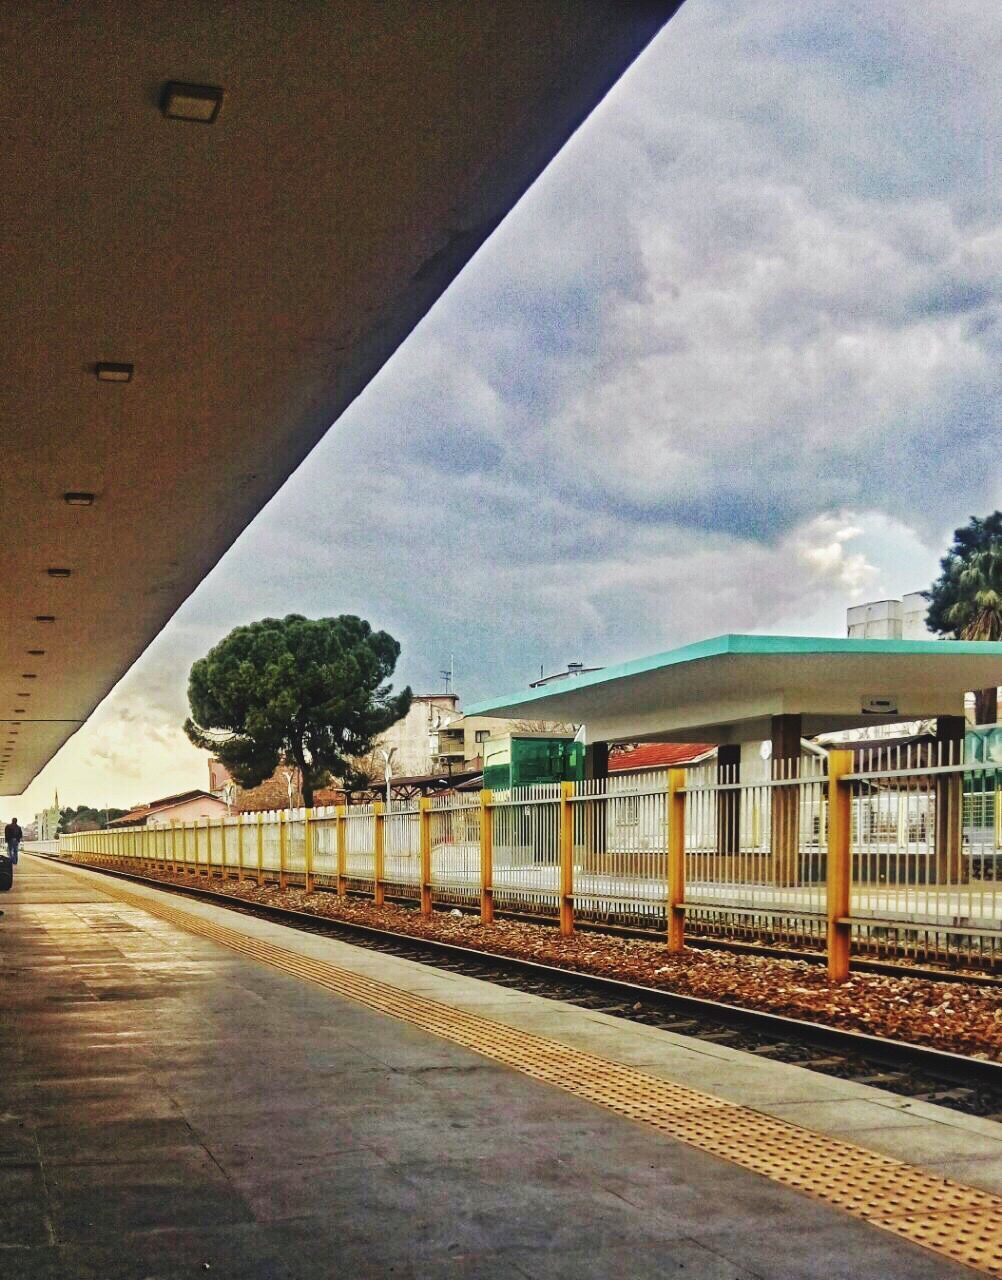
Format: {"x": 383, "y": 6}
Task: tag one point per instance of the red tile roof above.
{"x": 656, "y": 755}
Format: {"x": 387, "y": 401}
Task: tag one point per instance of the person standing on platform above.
{"x": 13, "y": 835}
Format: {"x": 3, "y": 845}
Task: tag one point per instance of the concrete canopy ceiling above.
{"x": 256, "y": 272}
{"x": 727, "y": 689}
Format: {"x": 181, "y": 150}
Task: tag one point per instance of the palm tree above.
{"x": 965, "y": 601}
{"x": 976, "y": 614}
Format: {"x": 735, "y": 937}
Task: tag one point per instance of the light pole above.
{"x": 290, "y": 784}
{"x": 387, "y": 772}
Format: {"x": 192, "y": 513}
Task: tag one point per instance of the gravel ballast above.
{"x": 953, "y": 1016}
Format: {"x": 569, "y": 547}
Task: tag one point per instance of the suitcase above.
{"x": 6, "y": 873}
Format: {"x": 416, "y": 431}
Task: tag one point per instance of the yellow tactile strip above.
{"x": 959, "y": 1222}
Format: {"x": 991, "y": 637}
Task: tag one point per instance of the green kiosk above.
{"x": 528, "y": 759}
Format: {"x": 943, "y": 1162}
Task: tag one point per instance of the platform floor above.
{"x": 170, "y": 1107}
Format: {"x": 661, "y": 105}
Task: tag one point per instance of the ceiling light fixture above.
{"x": 78, "y": 498}
{"x": 45, "y": 617}
{"x": 113, "y": 371}
{"x": 59, "y": 573}
{"x": 28, "y": 675}
{"x": 35, "y": 653}
{"x": 197, "y": 102}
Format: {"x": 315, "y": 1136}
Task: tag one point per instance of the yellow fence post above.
{"x": 424, "y": 820}
{"x": 378, "y": 853}
{"x": 342, "y": 849}
{"x": 283, "y": 841}
{"x": 486, "y": 858}
{"x": 260, "y": 849}
{"x": 173, "y": 846}
{"x": 839, "y": 864}
{"x": 240, "y": 848}
{"x": 566, "y": 838}
{"x": 676, "y": 861}
{"x": 308, "y": 848}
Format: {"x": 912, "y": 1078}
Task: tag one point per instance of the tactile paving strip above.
{"x": 959, "y": 1222}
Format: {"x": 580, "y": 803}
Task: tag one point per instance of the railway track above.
{"x": 970, "y": 1085}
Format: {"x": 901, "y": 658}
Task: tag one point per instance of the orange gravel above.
{"x": 953, "y": 1016}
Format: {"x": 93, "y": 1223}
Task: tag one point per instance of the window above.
{"x": 482, "y": 735}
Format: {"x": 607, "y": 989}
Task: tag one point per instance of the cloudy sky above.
{"x": 731, "y": 365}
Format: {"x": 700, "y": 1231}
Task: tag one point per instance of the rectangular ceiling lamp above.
{"x": 197, "y": 102}
{"x": 113, "y": 371}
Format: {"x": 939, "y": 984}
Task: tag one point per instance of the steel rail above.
{"x": 937, "y": 1064}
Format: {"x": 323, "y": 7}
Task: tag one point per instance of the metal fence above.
{"x": 894, "y": 854}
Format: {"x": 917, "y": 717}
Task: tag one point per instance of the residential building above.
{"x": 460, "y": 744}
{"x": 273, "y": 793}
{"x": 412, "y": 743}
{"x": 186, "y": 806}
{"x": 47, "y": 822}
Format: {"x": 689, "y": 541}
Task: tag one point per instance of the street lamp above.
{"x": 290, "y": 784}
{"x": 387, "y": 772}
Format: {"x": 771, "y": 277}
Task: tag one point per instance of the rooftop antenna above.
{"x": 449, "y": 674}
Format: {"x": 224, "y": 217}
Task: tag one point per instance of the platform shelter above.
{"x": 739, "y": 689}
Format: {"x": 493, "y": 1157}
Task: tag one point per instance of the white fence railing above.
{"x": 923, "y": 853}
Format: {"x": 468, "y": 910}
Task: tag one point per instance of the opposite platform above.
{"x": 171, "y": 1100}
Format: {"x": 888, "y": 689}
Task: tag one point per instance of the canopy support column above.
{"x": 785, "y": 832}
{"x": 950, "y": 865}
{"x": 728, "y": 802}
